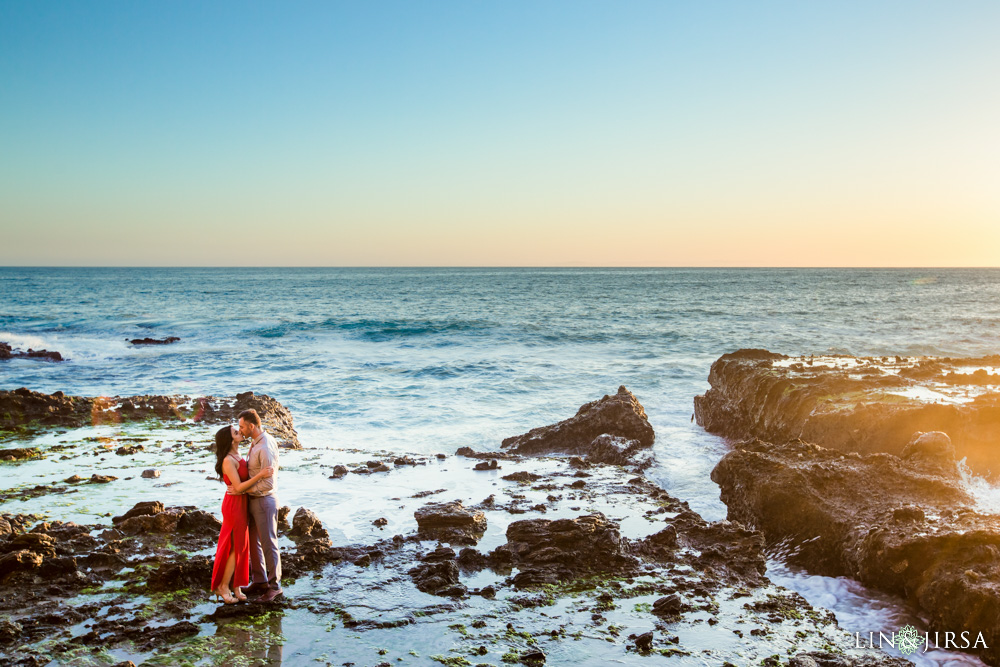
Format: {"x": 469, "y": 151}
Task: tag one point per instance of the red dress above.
{"x": 233, "y": 535}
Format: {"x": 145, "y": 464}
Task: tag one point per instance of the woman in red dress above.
{"x": 232, "y": 555}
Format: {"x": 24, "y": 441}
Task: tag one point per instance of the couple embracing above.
{"x": 249, "y": 514}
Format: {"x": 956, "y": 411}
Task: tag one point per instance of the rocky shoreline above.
{"x": 861, "y": 501}
{"x": 23, "y": 410}
{"x": 865, "y": 405}
{"x": 572, "y": 553}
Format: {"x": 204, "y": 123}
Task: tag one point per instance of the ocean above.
{"x": 429, "y": 360}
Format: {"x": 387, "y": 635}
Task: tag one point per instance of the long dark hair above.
{"x": 223, "y": 443}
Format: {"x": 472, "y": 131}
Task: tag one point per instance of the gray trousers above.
{"x": 262, "y": 519}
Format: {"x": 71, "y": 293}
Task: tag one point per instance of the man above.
{"x": 262, "y": 511}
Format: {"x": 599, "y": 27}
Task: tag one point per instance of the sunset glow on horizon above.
{"x": 500, "y": 134}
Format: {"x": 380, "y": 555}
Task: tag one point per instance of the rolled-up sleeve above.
{"x": 265, "y": 454}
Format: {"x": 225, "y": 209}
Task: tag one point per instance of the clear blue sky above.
{"x": 503, "y": 133}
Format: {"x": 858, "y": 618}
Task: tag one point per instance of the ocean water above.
{"x": 429, "y": 360}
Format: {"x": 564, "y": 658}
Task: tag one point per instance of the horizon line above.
{"x": 480, "y": 266}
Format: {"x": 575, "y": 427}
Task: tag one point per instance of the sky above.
{"x": 554, "y": 133}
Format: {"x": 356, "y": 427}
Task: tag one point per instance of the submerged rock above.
{"x": 450, "y": 522}
{"x": 154, "y": 341}
{"x": 905, "y": 526}
{"x": 619, "y": 415}
{"x": 827, "y": 659}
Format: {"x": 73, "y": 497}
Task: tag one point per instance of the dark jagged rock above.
{"x": 905, "y": 526}
{"x": 101, "y": 479}
{"x": 644, "y": 642}
{"x": 192, "y": 573}
{"x": 670, "y": 605}
{"x": 450, "y": 522}
{"x": 9, "y": 631}
{"x": 470, "y": 453}
{"x": 7, "y": 352}
{"x": 144, "y": 508}
{"x": 167, "y": 521}
{"x": 619, "y": 415}
{"x": 276, "y": 417}
{"x": 155, "y": 341}
{"x": 613, "y": 450}
{"x": 532, "y": 657}
{"x": 852, "y": 404}
{"x": 487, "y": 465}
{"x": 550, "y": 551}
{"x": 305, "y": 523}
{"x": 727, "y": 551}
{"x": 23, "y": 406}
{"x": 522, "y": 476}
{"x": 23, "y": 560}
{"x": 200, "y": 522}
{"x": 438, "y": 574}
{"x": 43, "y": 545}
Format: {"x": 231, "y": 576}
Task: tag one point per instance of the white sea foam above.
{"x": 24, "y": 342}
{"x": 986, "y": 494}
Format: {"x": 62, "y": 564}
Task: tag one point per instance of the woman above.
{"x": 232, "y": 567}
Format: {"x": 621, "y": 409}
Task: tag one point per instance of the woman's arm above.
{"x": 233, "y": 473}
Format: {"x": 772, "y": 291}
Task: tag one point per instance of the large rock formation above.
{"x": 25, "y": 407}
{"x": 902, "y": 525}
{"x": 621, "y": 417}
{"x": 856, "y": 404}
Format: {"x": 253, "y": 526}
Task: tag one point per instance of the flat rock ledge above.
{"x": 859, "y": 404}
{"x": 450, "y": 522}
{"x": 25, "y": 408}
{"x": 901, "y": 525}
{"x": 609, "y": 430}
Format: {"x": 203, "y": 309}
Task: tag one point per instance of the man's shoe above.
{"x": 254, "y": 589}
{"x": 270, "y": 596}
